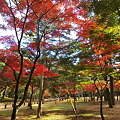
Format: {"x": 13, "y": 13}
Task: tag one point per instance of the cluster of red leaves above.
{"x": 59, "y": 11}
{"x": 34, "y": 46}
{"x": 117, "y": 85}
{"x": 92, "y": 87}
{"x": 13, "y": 63}
{"x": 63, "y": 13}
{"x": 69, "y": 91}
{"x": 41, "y": 70}
{"x": 100, "y": 85}
{"x": 103, "y": 47}
{"x": 89, "y": 87}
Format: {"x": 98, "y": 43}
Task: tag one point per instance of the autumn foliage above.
{"x": 36, "y": 24}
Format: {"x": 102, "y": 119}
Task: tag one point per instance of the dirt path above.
{"x": 8, "y": 106}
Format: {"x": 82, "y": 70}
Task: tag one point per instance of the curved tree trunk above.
{"x": 100, "y": 92}
{"x": 101, "y": 110}
{"x": 14, "y": 111}
{"x": 73, "y": 106}
{"x": 4, "y": 92}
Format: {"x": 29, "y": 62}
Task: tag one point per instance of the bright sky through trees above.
{"x": 4, "y": 32}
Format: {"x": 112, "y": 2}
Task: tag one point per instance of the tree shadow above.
{"x": 85, "y": 118}
{"x": 81, "y": 114}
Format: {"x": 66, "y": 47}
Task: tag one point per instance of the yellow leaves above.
{"x": 84, "y": 72}
{"x": 98, "y": 27}
{"x": 115, "y": 30}
{"x": 116, "y": 84}
{"x": 18, "y": 0}
{"x": 101, "y": 85}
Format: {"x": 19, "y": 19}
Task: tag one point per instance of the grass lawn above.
{"x": 63, "y": 111}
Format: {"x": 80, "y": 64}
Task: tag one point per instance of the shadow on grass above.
{"x": 85, "y": 118}
{"x": 81, "y": 114}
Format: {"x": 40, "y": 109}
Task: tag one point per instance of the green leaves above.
{"x": 106, "y": 11}
{"x": 2, "y": 64}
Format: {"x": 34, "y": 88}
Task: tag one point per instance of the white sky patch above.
{"x": 3, "y": 32}
{"x": 7, "y": 31}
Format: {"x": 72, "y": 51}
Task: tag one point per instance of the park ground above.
{"x": 62, "y": 110}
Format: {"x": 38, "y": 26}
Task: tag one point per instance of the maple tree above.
{"x": 103, "y": 50}
{"x": 19, "y": 26}
{"x": 103, "y": 45}
{"x": 26, "y": 17}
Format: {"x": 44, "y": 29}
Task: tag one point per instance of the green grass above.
{"x": 6, "y": 99}
{"x": 6, "y": 112}
{"x": 63, "y": 111}
{"x": 51, "y": 111}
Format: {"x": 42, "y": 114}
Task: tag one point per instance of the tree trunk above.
{"x": 4, "y": 92}
{"x": 74, "y": 98}
{"x": 117, "y": 94}
{"x": 105, "y": 96}
{"x": 39, "y": 110}
{"x": 109, "y": 98}
{"x": 73, "y": 107}
{"x": 101, "y": 110}
{"x": 14, "y": 111}
{"x": 112, "y": 90}
{"x": 100, "y": 92}
{"x": 91, "y": 96}
{"x": 15, "y": 106}
{"x": 84, "y": 95}
{"x": 67, "y": 97}
{"x": 98, "y": 96}
{"x": 31, "y": 96}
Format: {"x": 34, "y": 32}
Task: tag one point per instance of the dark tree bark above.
{"x": 105, "y": 96}
{"x": 100, "y": 92}
{"x": 108, "y": 95}
{"x": 84, "y": 95}
{"x": 92, "y": 96}
{"x": 109, "y": 98}
{"x": 112, "y": 90}
{"x": 101, "y": 110}
{"x": 117, "y": 94}
{"x": 97, "y": 96}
